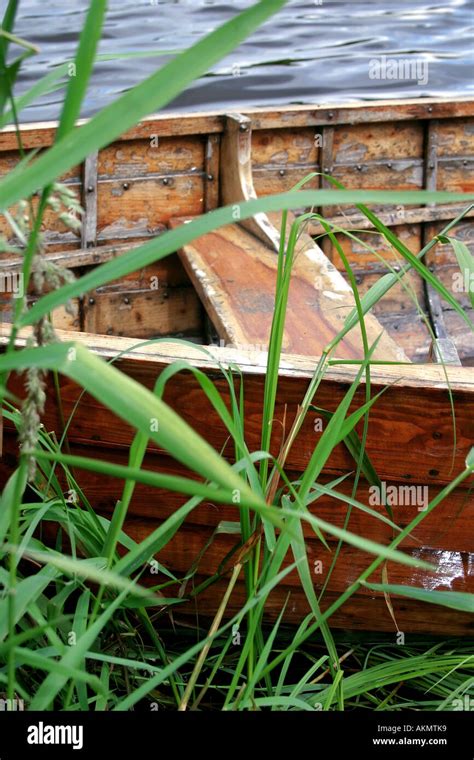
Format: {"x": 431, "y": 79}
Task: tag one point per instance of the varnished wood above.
{"x": 168, "y": 166}
{"x": 41, "y": 134}
{"x": 235, "y": 276}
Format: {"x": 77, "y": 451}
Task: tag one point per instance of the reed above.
{"x": 78, "y": 629}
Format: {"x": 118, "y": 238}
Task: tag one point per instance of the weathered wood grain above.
{"x": 396, "y": 424}
{"x": 235, "y": 276}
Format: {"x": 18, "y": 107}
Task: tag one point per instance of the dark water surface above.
{"x": 310, "y": 52}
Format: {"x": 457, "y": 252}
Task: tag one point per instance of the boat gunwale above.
{"x": 213, "y": 122}
{"x": 253, "y": 362}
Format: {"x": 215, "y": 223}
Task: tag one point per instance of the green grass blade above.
{"x": 149, "y": 96}
{"x": 173, "y": 240}
{"x": 455, "y": 600}
{"x": 84, "y": 63}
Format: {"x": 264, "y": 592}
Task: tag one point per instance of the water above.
{"x": 308, "y": 53}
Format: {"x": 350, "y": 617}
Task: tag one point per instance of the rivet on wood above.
{"x": 125, "y": 185}
{"x": 359, "y": 168}
{"x": 330, "y": 115}
{"x": 126, "y": 300}
{"x": 210, "y": 177}
{"x": 243, "y": 127}
{"x": 432, "y": 166}
{"x": 282, "y": 172}
{"x": 90, "y": 189}
{"x": 389, "y": 165}
{"x": 430, "y": 109}
{"x": 91, "y": 301}
{"x": 166, "y": 181}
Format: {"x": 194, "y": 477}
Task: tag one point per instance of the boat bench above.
{"x": 234, "y": 271}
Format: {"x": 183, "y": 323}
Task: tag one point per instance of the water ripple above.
{"x": 307, "y": 53}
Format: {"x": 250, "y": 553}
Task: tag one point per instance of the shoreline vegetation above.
{"x": 89, "y": 618}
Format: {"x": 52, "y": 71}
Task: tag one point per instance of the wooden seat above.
{"x": 234, "y": 271}
{"x": 234, "y": 274}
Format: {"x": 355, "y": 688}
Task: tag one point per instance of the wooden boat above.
{"x": 219, "y": 289}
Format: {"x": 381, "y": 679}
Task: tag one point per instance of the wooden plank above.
{"x": 461, "y": 334}
{"x": 359, "y": 613}
{"x": 180, "y": 553}
{"x": 235, "y": 276}
{"x": 444, "y": 350}
{"x": 455, "y": 175}
{"x": 236, "y": 179}
{"x": 143, "y": 313}
{"x": 367, "y": 251}
{"x": 211, "y": 172}
{"x": 327, "y": 152}
{"x": 447, "y": 527}
{"x": 410, "y": 331}
{"x": 357, "y": 144}
{"x": 89, "y": 202}
{"x": 455, "y": 137}
{"x": 147, "y": 204}
{"x": 153, "y": 156}
{"x": 269, "y": 180}
{"x": 413, "y": 415}
{"x": 285, "y": 147}
{"x": 400, "y": 216}
{"x": 42, "y": 134}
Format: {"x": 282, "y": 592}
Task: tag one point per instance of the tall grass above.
{"x": 78, "y": 628}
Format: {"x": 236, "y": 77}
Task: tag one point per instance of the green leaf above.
{"x": 470, "y": 459}
{"x": 84, "y": 63}
{"x": 26, "y": 592}
{"x": 132, "y": 402}
{"x": 466, "y": 265}
{"x": 173, "y": 240}
{"x": 147, "y": 97}
{"x": 456, "y": 600}
{"x": 57, "y": 679}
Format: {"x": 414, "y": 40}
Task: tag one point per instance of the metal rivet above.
{"x": 389, "y": 165}
{"x": 437, "y": 434}
{"x": 109, "y": 331}
{"x": 359, "y": 168}
{"x": 282, "y": 172}
{"x": 210, "y": 177}
{"x": 90, "y": 189}
{"x": 166, "y": 181}
{"x": 430, "y": 109}
{"x": 125, "y": 185}
{"x": 126, "y": 300}
{"x": 91, "y": 301}
{"x": 464, "y": 163}
{"x": 433, "y": 473}
{"x": 330, "y": 115}
{"x": 243, "y": 127}
{"x": 432, "y": 166}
